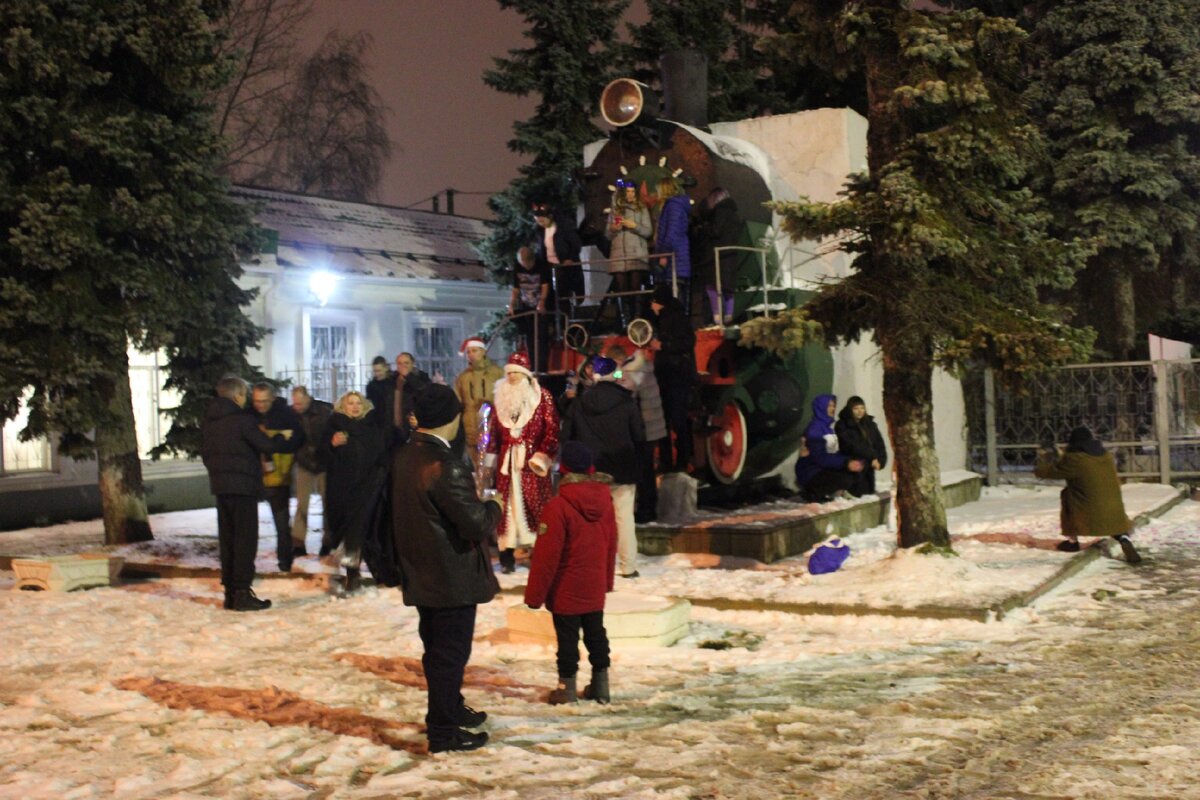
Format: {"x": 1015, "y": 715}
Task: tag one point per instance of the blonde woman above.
{"x": 629, "y": 230}
{"x": 354, "y": 447}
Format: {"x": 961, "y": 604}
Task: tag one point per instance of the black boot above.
{"x": 247, "y": 600}
{"x": 353, "y": 581}
{"x": 598, "y": 689}
{"x": 459, "y": 740}
{"x": 1131, "y": 554}
{"x": 229, "y": 599}
{"x": 565, "y": 693}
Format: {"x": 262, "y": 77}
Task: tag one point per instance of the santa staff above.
{"x": 522, "y": 444}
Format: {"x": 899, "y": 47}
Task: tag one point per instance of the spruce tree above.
{"x": 1114, "y": 88}
{"x": 571, "y": 56}
{"x": 118, "y": 230}
{"x": 950, "y": 245}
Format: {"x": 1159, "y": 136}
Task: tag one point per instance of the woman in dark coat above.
{"x": 859, "y": 437}
{"x": 355, "y": 449}
{"x": 823, "y": 473}
{"x": 717, "y": 224}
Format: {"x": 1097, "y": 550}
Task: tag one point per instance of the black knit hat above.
{"x": 436, "y": 405}
{"x": 575, "y": 457}
{"x": 1080, "y": 435}
{"x": 662, "y": 294}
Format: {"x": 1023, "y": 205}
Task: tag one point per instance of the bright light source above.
{"x": 322, "y": 284}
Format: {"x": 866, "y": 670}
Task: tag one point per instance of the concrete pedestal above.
{"x": 65, "y": 573}
{"x": 631, "y": 620}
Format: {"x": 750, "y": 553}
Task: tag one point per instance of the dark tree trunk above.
{"x": 1124, "y": 320}
{"x": 907, "y": 365}
{"x": 908, "y": 404}
{"x": 122, "y": 493}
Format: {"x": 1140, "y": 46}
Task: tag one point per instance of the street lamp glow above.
{"x": 322, "y": 285}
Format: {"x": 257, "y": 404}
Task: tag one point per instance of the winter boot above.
{"x": 598, "y": 689}
{"x": 353, "y": 582}
{"x": 1067, "y": 546}
{"x": 565, "y": 693}
{"x": 1131, "y": 554}
{"x": 229, "y": 599}
{"x": 246, "y": 600}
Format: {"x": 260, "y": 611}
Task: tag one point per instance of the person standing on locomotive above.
{"x": 629, "y": 229}
{"x": 717, "y": 225}
{"x": 672, "y": 237}
{"x": 556, "y": 250}
{"x": 675, "y": 369}
{"x": 522, "y": 443}
{"x": 531, "y": 292}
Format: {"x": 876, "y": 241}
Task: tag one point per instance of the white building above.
{"x": 338, "y": 284}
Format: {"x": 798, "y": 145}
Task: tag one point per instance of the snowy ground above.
{"x": 151, "y": 690}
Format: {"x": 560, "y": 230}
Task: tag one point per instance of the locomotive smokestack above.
{"x": 685, "y": 87}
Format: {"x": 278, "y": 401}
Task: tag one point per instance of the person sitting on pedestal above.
{"x": 824, "y": 473}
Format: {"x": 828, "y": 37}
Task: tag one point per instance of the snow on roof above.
{"x": 366, "y": 239}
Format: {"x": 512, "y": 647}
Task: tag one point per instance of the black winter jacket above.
{"x": 281, "y": 417}
{"x": 382, "y": 394}
{"x": 441, "y": 528}
{"x": 677, "y": 357}
{"x": 355, "y": 473}
{"x": 230, "y": 444}
{"x": 860, "y": 439}
{"x": 314, "y": 421}
{"x": 607, "y": 420}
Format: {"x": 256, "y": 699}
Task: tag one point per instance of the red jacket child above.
{"x": 575, "y": 556}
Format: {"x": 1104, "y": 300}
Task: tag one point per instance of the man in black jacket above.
{"x": 441, "y": 528}
{"x": 231, "y": 444}
{"x": 408, "y": 382}
{"x": 608, "y": 421}
{"x": 310, "y": 469}
{"x": 381, "y": 391}
{"x": 556, "y": 251}
{"x": 276, "y": 416}
{"x": 675, "y": 369}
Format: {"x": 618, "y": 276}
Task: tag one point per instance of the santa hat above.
{"x": 518, "y": 362}
{"x": 469, "y": 342}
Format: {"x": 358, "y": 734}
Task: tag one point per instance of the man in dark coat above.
{"x": 607, "y": 420}
{"x": 381, "y": 391}
{"x": 231, "y": 445}
{"x": 274, "y": 415}
{"x": 675, "y": 369}
{"x": 310, "y": 471}
{"x": 1091, "y": 504}
{"x": 441, "y": 528}
{"x": 409, "y": 381}
{"x": 859, "y": 438}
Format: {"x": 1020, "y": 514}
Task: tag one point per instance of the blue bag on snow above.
{"x": 828, "y": 557}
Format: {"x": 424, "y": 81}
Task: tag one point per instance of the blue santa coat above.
{"x": 816, "y": 437}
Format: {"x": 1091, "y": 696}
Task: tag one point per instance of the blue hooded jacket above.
{"x": 821, "y": 441}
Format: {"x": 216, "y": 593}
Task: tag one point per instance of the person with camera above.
{"x": 1091, "y": 502}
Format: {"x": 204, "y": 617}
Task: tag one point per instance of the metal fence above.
{"x": 1146, "y": 412}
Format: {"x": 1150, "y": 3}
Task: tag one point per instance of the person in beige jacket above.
{"x": 474, "y": 387}
{"x": 1091, "y": 503}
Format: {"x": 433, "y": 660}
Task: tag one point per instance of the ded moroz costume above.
{"x": 523, "y": 441}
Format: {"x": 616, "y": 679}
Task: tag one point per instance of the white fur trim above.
{"x": 469, "y": 343}
{"x": 540, "y": 463}
{"x": 516, "y": 368}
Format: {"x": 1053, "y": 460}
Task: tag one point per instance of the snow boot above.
{"x": 247, "y": 600}
{"x": 565, "y": 693}
{"x": 598, "y": 689}
{"x": 1131, "y": 554}
{"x": 1068, "y": 546}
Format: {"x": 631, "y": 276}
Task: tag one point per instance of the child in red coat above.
{"x": 572, "y": 569}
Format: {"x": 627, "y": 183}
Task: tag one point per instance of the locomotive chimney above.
{"x": 684, "y": 76}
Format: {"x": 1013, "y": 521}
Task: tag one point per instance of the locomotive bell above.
{"x": 626, "y": 101}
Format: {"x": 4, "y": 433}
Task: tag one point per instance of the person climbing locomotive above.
{"x": 717, "y": 224}
{"x": 531, "y": 292}
{"x": 556, "y": 249}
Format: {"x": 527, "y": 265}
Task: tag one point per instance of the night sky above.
{"x": 427, "y": 61}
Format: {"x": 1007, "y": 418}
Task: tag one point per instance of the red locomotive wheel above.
{"x": 727, "y": 446}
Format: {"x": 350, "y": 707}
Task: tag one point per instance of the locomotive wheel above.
{"x": 727, "y": 445}
{"x": 640, "y": 332}
{"x": 576, "y": 336}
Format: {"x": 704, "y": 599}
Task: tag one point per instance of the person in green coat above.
{"x": 1091, "y": 503}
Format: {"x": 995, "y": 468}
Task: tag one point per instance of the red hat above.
{"x": 518, "y": 362}
{"x": 471, "y": 341}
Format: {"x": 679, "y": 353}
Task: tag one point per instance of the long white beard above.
{"x": 515, "y": 404}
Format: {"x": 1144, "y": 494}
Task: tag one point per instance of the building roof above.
{"x": 365, "y": 239}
